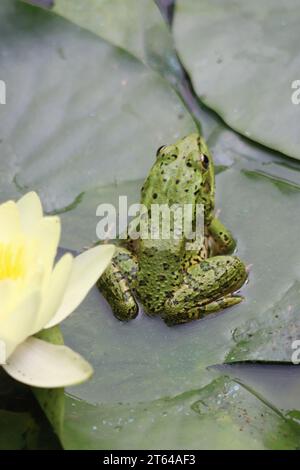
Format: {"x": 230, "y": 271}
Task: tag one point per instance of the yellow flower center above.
{"x": 12, "y": 261}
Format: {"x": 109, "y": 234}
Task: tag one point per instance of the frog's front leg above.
{"x": 207, "y": 287}
{"x": 117, "y": 284}
{"x": 222, "y": 240}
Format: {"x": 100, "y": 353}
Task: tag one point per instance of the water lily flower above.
{"x": 36, "y": 293}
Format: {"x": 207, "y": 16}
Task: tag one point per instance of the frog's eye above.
{"x": 204, "y": 161}
{"x": 159, "y": 149}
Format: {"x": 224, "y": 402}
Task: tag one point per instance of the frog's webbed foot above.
{"x": 208, "y": 287}
{"x": 116, "y": 285}
{"x": 197, "y": 313}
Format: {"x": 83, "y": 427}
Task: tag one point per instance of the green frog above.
{"x": 169, "y": 280}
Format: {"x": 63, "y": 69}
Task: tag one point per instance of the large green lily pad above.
{"x": 270, "y": 337}
{"x": 144, "y": 370}
{"x": 276, "y": 385}
{"x": 145, "y": 361}
{"x": 133, "y": 25}
{"x": 243, "y": 58}
{"x": 74, "y": 102}
{"x": 223, "y": 415}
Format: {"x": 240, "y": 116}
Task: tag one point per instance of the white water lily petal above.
{"x": 7, "y": 287}
{"x": 87, "y": 269}
{"x": 34, "y": 292}
{"x": 54, "y": 294}
{"x": 41, "y": 364}
{"x": 9, "y": 221}
{"x": 31, "y": 211}
{"x": 47, "y": 233}
{"x": 16, "y": 327}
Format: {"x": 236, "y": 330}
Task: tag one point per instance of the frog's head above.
{"x": 183, "y": 173}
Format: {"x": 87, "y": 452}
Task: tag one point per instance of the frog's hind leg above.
{"x": 117, "y": 282}
{"x": 207, "y": 287}
{"x": 201, "y": 311}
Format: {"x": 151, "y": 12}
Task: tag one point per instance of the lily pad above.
{"x": 270, "y": 337}
{"x": 73, "y": 103}
{"x": 144, "y": 366}
{"x": 243, "y": 58}
{"x": 224, "y": 409}
{"x": 135, "y": 26}
{"x": 132, "y": 25}
{"x": 276, "y": 385}
{"x": 145, "y": 361}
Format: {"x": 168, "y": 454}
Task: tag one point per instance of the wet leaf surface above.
{"x": 243, "y": 58}
{"x": 67, "y": 138}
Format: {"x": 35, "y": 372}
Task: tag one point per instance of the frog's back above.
{"x": 178, "y": 177}
{"x": 158, "y": 274}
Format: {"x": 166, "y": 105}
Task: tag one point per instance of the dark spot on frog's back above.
{"x": 154, "y": 195}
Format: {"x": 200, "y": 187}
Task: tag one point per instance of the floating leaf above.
{"x": 223, "y": 415}
{"x": 243, "y": 58}
{"x": 144, "y": 365}
{"x": 276, "y": 385}
{"x": 74, "y": 103}
{"x": 271, "y": 335}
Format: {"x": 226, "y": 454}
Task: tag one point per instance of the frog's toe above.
{"x": 126, "y": 311}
